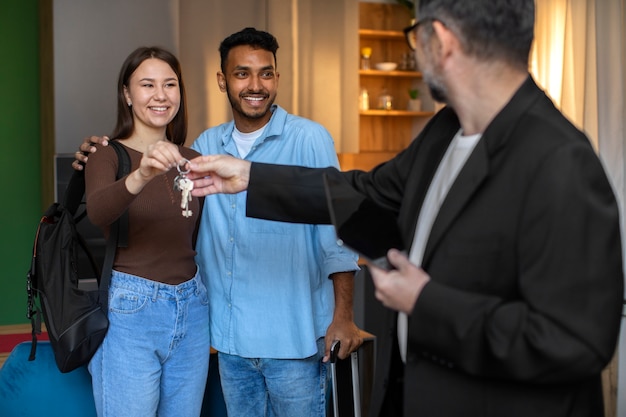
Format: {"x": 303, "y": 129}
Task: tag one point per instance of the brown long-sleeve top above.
{"x": 160, "y": 239}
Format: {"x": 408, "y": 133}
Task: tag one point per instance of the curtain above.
{"x": 564, "y": 60}
{"x": 319, "y": 55}
{"x": 611, "y": 85}
{"x": 579, "y": 57}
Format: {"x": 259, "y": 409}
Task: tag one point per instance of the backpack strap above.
{"x": 123, "y": 169}
{"x": 33, "y": 312}
{"x": 74, "y": 192}
{"x": 118, "y": 234}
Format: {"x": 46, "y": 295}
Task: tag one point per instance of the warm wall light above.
{"x": 563, "y": 59}
{"x": 549, "y": 46}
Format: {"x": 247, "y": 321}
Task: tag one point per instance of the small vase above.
{"x": 414, "y": 105}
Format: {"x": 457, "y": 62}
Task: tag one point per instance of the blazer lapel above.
{"x": 469, "y": 179}
{"x": 476, "y": 169}
{"x": 428, "y": 157}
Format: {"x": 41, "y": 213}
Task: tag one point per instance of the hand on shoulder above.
{"x": 86, "y": 148}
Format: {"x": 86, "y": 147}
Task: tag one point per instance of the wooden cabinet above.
{"x": 385, "y": 132}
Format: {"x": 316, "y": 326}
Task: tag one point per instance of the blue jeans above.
{"x": 274, "y": 387}
{"x": 155, "y": 357}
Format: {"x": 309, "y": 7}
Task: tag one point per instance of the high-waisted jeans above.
{"x": 155, "y": 357}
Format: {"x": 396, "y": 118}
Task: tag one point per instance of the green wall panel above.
{"x": 20, "y": 155}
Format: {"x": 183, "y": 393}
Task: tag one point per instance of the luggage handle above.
{"x": 334, "y": 352}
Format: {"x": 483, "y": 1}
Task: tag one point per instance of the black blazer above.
{"x": 524, "y": 306}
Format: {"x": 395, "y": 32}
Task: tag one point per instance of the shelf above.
{"x": 395, "y": 73}
{"x": 404, "y": 113}
{"x": 364, "y": 160}
{"x": 385, "y": 133}
{"x": 381, "y": 34}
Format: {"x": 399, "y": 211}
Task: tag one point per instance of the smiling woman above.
{"x": 153, "y": 95}
{"x": 152, "y": 127}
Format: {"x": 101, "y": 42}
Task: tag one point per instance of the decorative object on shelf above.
{"x": 412, "y": 61}
{"x": 385, "y": 100}
{"x": 366, "y": 54}
{"x": 415, "y": 103}
{"x": 386, "y": 66}
{"x": 405, "y": 62}
{"x": 364, "y": 100}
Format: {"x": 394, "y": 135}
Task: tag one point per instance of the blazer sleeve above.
{"x": 286, "y": 193}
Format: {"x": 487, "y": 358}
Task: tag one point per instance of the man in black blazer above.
{"x": 509, "y": 300}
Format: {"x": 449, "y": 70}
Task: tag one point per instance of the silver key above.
{"x": 184, "y": 185}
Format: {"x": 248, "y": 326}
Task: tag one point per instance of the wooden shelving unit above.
{"x": 383, "y": 133}
{"x": 395, "y": 73}
{"x": 389, "y": 113}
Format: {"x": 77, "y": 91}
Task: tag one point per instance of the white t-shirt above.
{"x": 456, "y": 155}
{"x": 244, "y": 141}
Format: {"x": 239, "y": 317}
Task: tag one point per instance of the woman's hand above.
{"x": 158, "y": 159}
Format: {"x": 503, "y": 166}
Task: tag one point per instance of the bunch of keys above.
{"x": 184, "y": 185}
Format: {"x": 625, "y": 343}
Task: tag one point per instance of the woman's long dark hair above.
{"x": 177, "y": 128}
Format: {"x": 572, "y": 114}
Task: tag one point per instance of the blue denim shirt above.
{"x": 270, "y": 295}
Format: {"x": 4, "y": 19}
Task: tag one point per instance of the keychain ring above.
{"x": 181, "y": 171}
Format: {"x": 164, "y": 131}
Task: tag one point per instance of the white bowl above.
{"x": 386, "y": 66}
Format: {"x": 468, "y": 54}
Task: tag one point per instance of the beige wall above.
{"x": 91, "y": 40}
{"x": 316, "y": 59}
{"x": 203, "y": 25}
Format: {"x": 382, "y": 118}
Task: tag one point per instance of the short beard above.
{"x": 437, "y": 90}
{"x": 236, "y": 106}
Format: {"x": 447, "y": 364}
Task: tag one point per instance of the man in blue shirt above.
{"x": 270, "y": 283}
{"x": 280, "y": 293}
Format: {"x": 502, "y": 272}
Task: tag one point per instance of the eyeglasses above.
{"x": 410, "y": 33}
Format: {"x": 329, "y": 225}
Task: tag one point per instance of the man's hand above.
{"x": 214, "y": 174}
{"x": 345, "y": 331}
{"x": 399, "y": 289}
{"x": 342, "y": 327}
{"x": 86, "y": 148}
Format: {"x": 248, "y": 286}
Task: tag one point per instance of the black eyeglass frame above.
{"x": 410, "y": 33}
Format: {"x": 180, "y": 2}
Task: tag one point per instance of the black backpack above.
{"x": 75, "y": 318}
